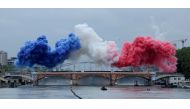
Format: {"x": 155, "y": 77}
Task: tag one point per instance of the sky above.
{"x": 20, "y": 25}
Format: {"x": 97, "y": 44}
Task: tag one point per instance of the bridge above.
{"x": 82, "y": 70}
{"x": 3, "y": 79}
{"x": 26, "y": 77}
{"x": 16, "y": 78}
{"x": 74, "y": 73}
{"x": 166, "y": 75}
{"x": 76, "y": 76}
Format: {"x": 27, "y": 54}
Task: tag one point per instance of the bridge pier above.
{"x": 113, "y": 78}
{"x": 2, "y": 83}
{"x": 112, "y": 82}
{"x": 74, "y": 82}
{"x": 36, "y": 83}
{"x": 23, "y": 82}
{"x": 13, "y": 83}
{"x": 150, "y": 83}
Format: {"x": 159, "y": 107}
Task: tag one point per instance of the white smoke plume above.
{"x": 159, "y": 35}
{"x": 92, "y": 45}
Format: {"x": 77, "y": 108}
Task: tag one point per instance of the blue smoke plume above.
{"x": 39, "y": 52}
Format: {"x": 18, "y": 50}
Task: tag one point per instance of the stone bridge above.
{"x": 3, "y": 79}
{"x": 10, "y": 77}
{"x": 166, "y": 75}
{"x": 75, "y": 76}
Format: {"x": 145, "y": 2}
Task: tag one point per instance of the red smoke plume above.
{"x": 147, "y": 51}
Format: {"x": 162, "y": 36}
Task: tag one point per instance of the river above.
{"x": 94, "y": 92}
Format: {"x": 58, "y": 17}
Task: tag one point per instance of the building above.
{"x": 12, "y": 61}
{"x": 3, "y": 58}
{"x": 175, "y": 81}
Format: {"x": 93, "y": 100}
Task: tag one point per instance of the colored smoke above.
{"x": 144, "y": 51}
{"x": 92, "y": 45}
{"x": 147, "y": 51}
{"x": 40, "y": 53}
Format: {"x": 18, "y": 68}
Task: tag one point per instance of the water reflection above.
{"x": 132, "y": 81}
{"x": 94, "y": 81}
{"x": 54, "y": 80}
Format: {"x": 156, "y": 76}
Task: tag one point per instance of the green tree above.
{"x": 6, "y": 68}
{"x": 183, "y": 62}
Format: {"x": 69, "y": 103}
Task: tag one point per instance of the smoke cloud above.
{"x": 40, "y": 53}
{"x": 147, "y": 51}
{"x": 142, "y": 51}
{"x": 159, "y": 35}
{"x": 92, "y": 45}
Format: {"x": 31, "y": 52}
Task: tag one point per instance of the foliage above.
{"x": 183, "y": 61}
{"x": 6, "y": 68}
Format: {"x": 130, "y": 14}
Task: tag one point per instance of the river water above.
{"x": 94, "y": 92}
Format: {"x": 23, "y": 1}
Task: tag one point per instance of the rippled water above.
{"x": 91, "y": 92}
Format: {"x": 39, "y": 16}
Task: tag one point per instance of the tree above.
{"x": 183, "y": 62}
{"x": 6, "y": 68}
{"x": 1, "y": 68}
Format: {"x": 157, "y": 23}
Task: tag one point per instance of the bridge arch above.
{"x": 132, "y": 80}
{"x": 158, "y": 77}
{"x": 103, "y": 75}
{"x": 19, "y": 76}
{"x": 54, "y": 80}
{"x": 138, "y": 76}
{"x": 3, "y": 79}
{"x": 96, "y": 80}
{"x": 43, "y": 76}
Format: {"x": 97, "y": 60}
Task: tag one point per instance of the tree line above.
{"x": 183, "y": 61}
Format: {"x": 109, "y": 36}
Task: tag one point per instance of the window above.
{"x": 174, "y": 78}
{"x": 179, "y": 78}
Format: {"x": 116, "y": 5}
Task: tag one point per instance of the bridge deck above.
{"x": 92, "y": 72}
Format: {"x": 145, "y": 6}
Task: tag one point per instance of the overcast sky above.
{"x": 20, "y": 25}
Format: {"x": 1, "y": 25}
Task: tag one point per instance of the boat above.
{"x": 103, "y": 88}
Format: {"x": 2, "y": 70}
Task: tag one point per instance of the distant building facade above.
{"x": 3, "y": 58}
{"x": 176, "y": 80}
{"x": 12, "y": 61}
